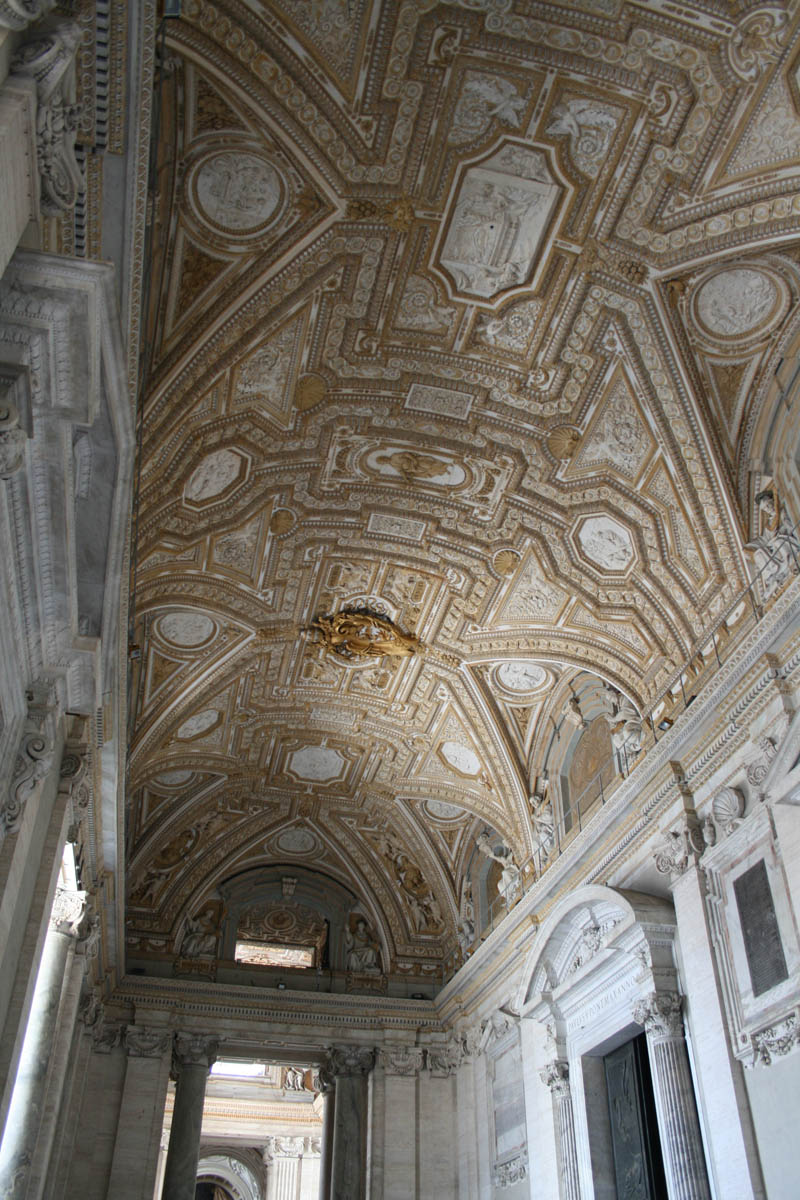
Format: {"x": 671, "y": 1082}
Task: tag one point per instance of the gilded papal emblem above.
{"x": 354, "y": 633}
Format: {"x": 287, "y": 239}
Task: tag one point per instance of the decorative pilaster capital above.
{"x": 194, "y": 1050}
{"x": 661, "y": 1015}
{"x": 68, "y": 911}
{"x": 284, "y": 1147}
{"x": 556, "y": 1076}
{"x": 444, "y": 1060}
{"x": 350, "y": 1060}
{"x": 401, "y": 1060}
{"x": 106, "y": 1035}
{"x": 684, "y": 845}
{"x": 141, "y": 1042}
{"x": 777, "y": 1040}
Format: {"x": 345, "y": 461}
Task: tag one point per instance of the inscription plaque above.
{"x": 762, "y": 939}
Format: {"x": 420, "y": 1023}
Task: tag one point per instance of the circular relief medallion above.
{"x": 441, "y": 811}
{"x": 738, "y": 302}
{"x": 521, "y": 676}
{"x": 238, "y": 192}
{"x": 296, "y": 841}
{"x": 462, "y": 758}
{"x": 198, "y": 724}
{"x": 173, "y": 779}
{"x": 186, "y": 629}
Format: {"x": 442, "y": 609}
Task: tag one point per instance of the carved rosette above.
{"x": 350, "y": 1060}
{"x": 141, "y": 1042}
{"x": 401, "y": 1060}
{"x": 661, "y": 1015}
{"x": 193, "y": 1050}
{"x": 556, "y": 1076}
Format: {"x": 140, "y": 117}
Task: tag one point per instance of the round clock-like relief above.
{"x": 173, "y": 779}
{"x": 521, "y": 676}
{"x": 296, "y": 841}
{"x": 186, "y": 629}
{"x": 440, "y": 810}
{"x": 737, "y": 302}
{"x": 237, "y": 191}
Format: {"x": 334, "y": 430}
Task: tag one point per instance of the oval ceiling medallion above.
{"x": 186, "y": 630}
{"x": 215, "y": 474}
{"x": 739, "y": 302}
{"x": 237, "y": 192}
{"x": 198, "y": 724}
{"x": 173, "y": 779}
{"x": 440, "y": 810}
{"x": 462, "y": 758}
{"x": 519, "y": 676}
{"x": 297, "y": 841}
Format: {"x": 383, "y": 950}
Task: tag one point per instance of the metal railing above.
{"x": 715, "y": 647}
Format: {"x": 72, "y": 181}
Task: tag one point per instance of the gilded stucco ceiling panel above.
{"x": 461, "y": 314}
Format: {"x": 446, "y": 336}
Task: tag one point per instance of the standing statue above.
{"x": 543, "y": 821}
{"x": 362, "y": 953}
{"x": 627, "y": 731}
{"x": 509, "y": 883}
{"x": 776, "y": 551}
{"x": 200, "y": 935}
{"x": 466, "y": 924}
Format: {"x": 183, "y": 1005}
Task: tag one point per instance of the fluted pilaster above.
{"x": 556, "y": 1076}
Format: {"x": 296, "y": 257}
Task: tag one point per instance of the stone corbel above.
{"x": 17, "y": 14}
{"x": 49, "y": 60}
{"x": 33, "y": 760}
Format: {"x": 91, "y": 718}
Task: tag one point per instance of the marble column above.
{"x": 349, "y": 1066}
{"x": 192, "y": 1059}
{"x": 556, "y": 1076}
{"x": 28, "y": 1097}
{"x": 676, "y": 1111}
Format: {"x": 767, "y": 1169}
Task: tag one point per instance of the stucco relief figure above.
{"x": 509, "y": 883}
{"x": 776, "y": 551}
{"x": 362, "y": 951}
{"x": 625, "y": 723}
{"x": 543, "y": 821}
{"x": 294, "y": 1080}
{"x": 413, "y": 466}
{"x": 466, "y": 925}
{"x": 359, "y": 634}
{"x": 200, "y": 935}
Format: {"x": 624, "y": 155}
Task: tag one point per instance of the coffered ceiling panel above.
{"x": 455, "y": 309}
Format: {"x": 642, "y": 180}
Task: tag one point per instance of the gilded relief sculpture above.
{"x": 359, "y": 633}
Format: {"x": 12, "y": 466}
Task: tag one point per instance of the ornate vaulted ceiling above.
{"x": 458, "y": 314}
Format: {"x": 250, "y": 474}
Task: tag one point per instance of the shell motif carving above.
{"x": 728, "y": 809}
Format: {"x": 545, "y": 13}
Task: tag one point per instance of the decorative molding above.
{"x": 777, "y": 1039}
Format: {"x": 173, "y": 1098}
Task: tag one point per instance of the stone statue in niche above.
{"x": 542, "y": 819}
{"x": 362, "y": 949}
{"x": 627, "y": 731}
{"x": 200, "y": 935}
{"x": 509, "y": 884}
{"x": 776, "y": 551}
{"x": 466, "y": 925}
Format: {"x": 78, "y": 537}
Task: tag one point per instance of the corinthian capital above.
{"x": 350, "y": 1060}
{"x": 141, "y": 1042}
{"x": 194, "y": 1050}
{"x": 660, "y": 1013}
{"x": 556, "y": 1076}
